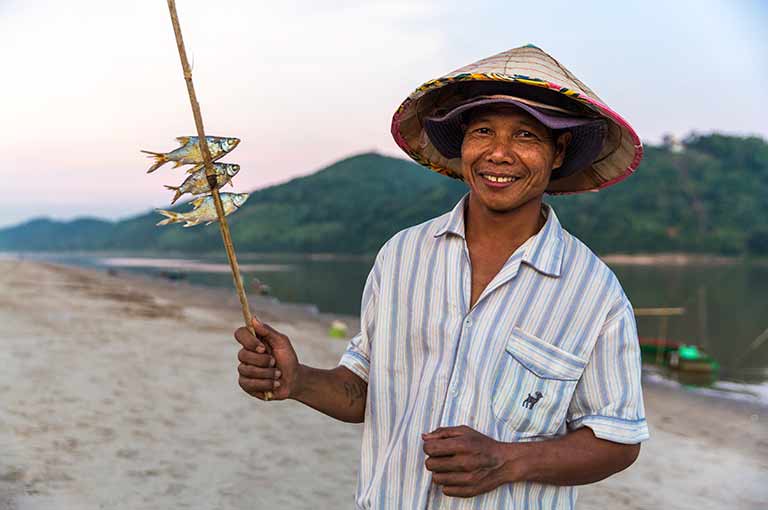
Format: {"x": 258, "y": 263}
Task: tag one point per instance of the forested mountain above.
{"x": 708, "y": 194}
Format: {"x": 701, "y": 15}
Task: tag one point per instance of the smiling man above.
{"x": 497, "y": 364}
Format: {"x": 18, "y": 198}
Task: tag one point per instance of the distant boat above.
{"x": 677, "y": 356}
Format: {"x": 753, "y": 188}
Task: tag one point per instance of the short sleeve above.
{"x": 357, "y": 356}
{"x": 608, "y": 398}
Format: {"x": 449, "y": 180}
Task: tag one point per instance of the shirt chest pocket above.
{"x": 533, "y": 385}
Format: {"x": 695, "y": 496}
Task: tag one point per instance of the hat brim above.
{"x": 524, "y": 72}
{"x": 446, "y": 131}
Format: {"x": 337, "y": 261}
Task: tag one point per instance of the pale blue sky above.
{"x": 88, "y": 83}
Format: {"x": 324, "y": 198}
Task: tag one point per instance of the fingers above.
{"x": 452, "y": 464}
{"x": 260, "y": 328}
{"x": 444, "y": 447}
{"x": 455, "y": 479}
{"x": 253, "y": 386}
{"x": 249, "y": 341}
{"x": 461, "y": 491}
{"x": 252, "y": 372}
{"x": 443, "y": 432}
{"x": 268, "y": 334}
{"x": 255, "y": 359}
{"x": 265, "y": 334}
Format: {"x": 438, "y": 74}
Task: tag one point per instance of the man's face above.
{"x": 507, "y": 156}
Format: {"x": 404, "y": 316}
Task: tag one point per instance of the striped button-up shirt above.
{"x": 550, "y": 346}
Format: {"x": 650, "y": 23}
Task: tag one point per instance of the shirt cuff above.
{"x": 357, "y": 363}
{"x": 618, "y": 430}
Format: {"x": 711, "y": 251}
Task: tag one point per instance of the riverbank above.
{"x": 668, "y": 259}
{"x": 628, "y": 259}
{"x": 121, "y": 392}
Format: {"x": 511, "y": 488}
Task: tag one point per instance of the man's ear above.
{"x": 560, "y": 145}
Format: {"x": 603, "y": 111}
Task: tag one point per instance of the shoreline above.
{"x": 274, "y": 307}
{"x": 618, "y": 259}
{"x": 669, "y": 259}
{"x": 121, "y": 391}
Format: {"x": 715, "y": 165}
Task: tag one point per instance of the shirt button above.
{"x": 468, "y": 322}
{"x": 454, "y": 391}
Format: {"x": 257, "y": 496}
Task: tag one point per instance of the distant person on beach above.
{"x": 498, "y": 358}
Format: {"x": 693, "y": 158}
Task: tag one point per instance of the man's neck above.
{"x": 507, "y": 230}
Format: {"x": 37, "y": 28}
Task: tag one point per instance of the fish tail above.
{"x": 177, "y": 195}
{"x": 159, "y": 158}
{"x": 170, "y": 217}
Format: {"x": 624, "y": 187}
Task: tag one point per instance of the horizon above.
{"x": 403, "y": 157}
{"x": 98, "y": 81}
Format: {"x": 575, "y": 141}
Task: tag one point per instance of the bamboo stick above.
{"x": 210, "y": 174}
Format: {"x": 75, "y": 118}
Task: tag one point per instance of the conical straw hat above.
{"x": 528, "y": 72}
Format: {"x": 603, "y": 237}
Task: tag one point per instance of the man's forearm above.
{"x": 338, "y": 392}
{"x": 575, "y": 459}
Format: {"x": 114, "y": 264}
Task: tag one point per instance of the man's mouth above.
{"x": 498, "y": 180}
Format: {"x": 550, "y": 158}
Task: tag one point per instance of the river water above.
{"x": 726, "y": 305}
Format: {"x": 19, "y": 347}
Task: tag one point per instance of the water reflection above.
{"x": 726, "y": 306}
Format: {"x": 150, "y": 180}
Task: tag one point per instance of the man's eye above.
{"x": 525, "y": 134}
{"x": 482, "y": 131}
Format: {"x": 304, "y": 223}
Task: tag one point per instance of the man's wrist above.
{"x": 297, "y": 388}
{"x": 522, "y": 461}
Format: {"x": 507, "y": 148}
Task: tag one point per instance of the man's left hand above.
{"x": 464, "y": 461}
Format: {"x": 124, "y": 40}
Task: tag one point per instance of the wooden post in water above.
{"x": 662, "y": 338}
{"x": 703, "y": 330}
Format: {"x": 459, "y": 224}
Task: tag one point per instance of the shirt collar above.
{"x": 543, "y": 252}
{"x": 454, "y": 223}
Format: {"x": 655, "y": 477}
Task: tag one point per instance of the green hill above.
{"x": 710, "y": 197}
{"x": 45, "y": 234}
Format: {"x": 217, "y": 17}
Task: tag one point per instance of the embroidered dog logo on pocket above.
{"x": 531, "y": 400}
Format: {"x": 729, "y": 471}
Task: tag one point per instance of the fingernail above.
{"x": 278, "y": 374}
{"x": 277, "y": 384}
{"x": 271, "y": 362}
{"x": 260, "y": 349}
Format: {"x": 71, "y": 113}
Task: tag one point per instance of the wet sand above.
{"x": 120, "y": 392}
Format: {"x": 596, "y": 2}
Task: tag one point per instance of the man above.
{"x": 497, "y": 364}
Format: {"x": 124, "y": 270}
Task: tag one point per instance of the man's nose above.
{"x": 501, "y": 152}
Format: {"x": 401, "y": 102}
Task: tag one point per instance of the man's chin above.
{"x": 500, "y": 204}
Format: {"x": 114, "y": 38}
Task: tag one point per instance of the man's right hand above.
{"x": 259, "y": 371}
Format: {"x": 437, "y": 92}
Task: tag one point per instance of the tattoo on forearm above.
{"x": 355, "y": 392}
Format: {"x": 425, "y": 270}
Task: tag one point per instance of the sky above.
{"x": 86, "y": 84}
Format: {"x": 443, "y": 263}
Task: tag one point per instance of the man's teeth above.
{"x": 493, "y": 178}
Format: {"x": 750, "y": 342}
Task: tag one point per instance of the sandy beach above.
{"x": 121, "y": 392}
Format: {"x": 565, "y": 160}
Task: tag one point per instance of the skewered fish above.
{"x": 204, "y": 210}
{"x": 189, "y": 152}
{"x": 197, "y": 182}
